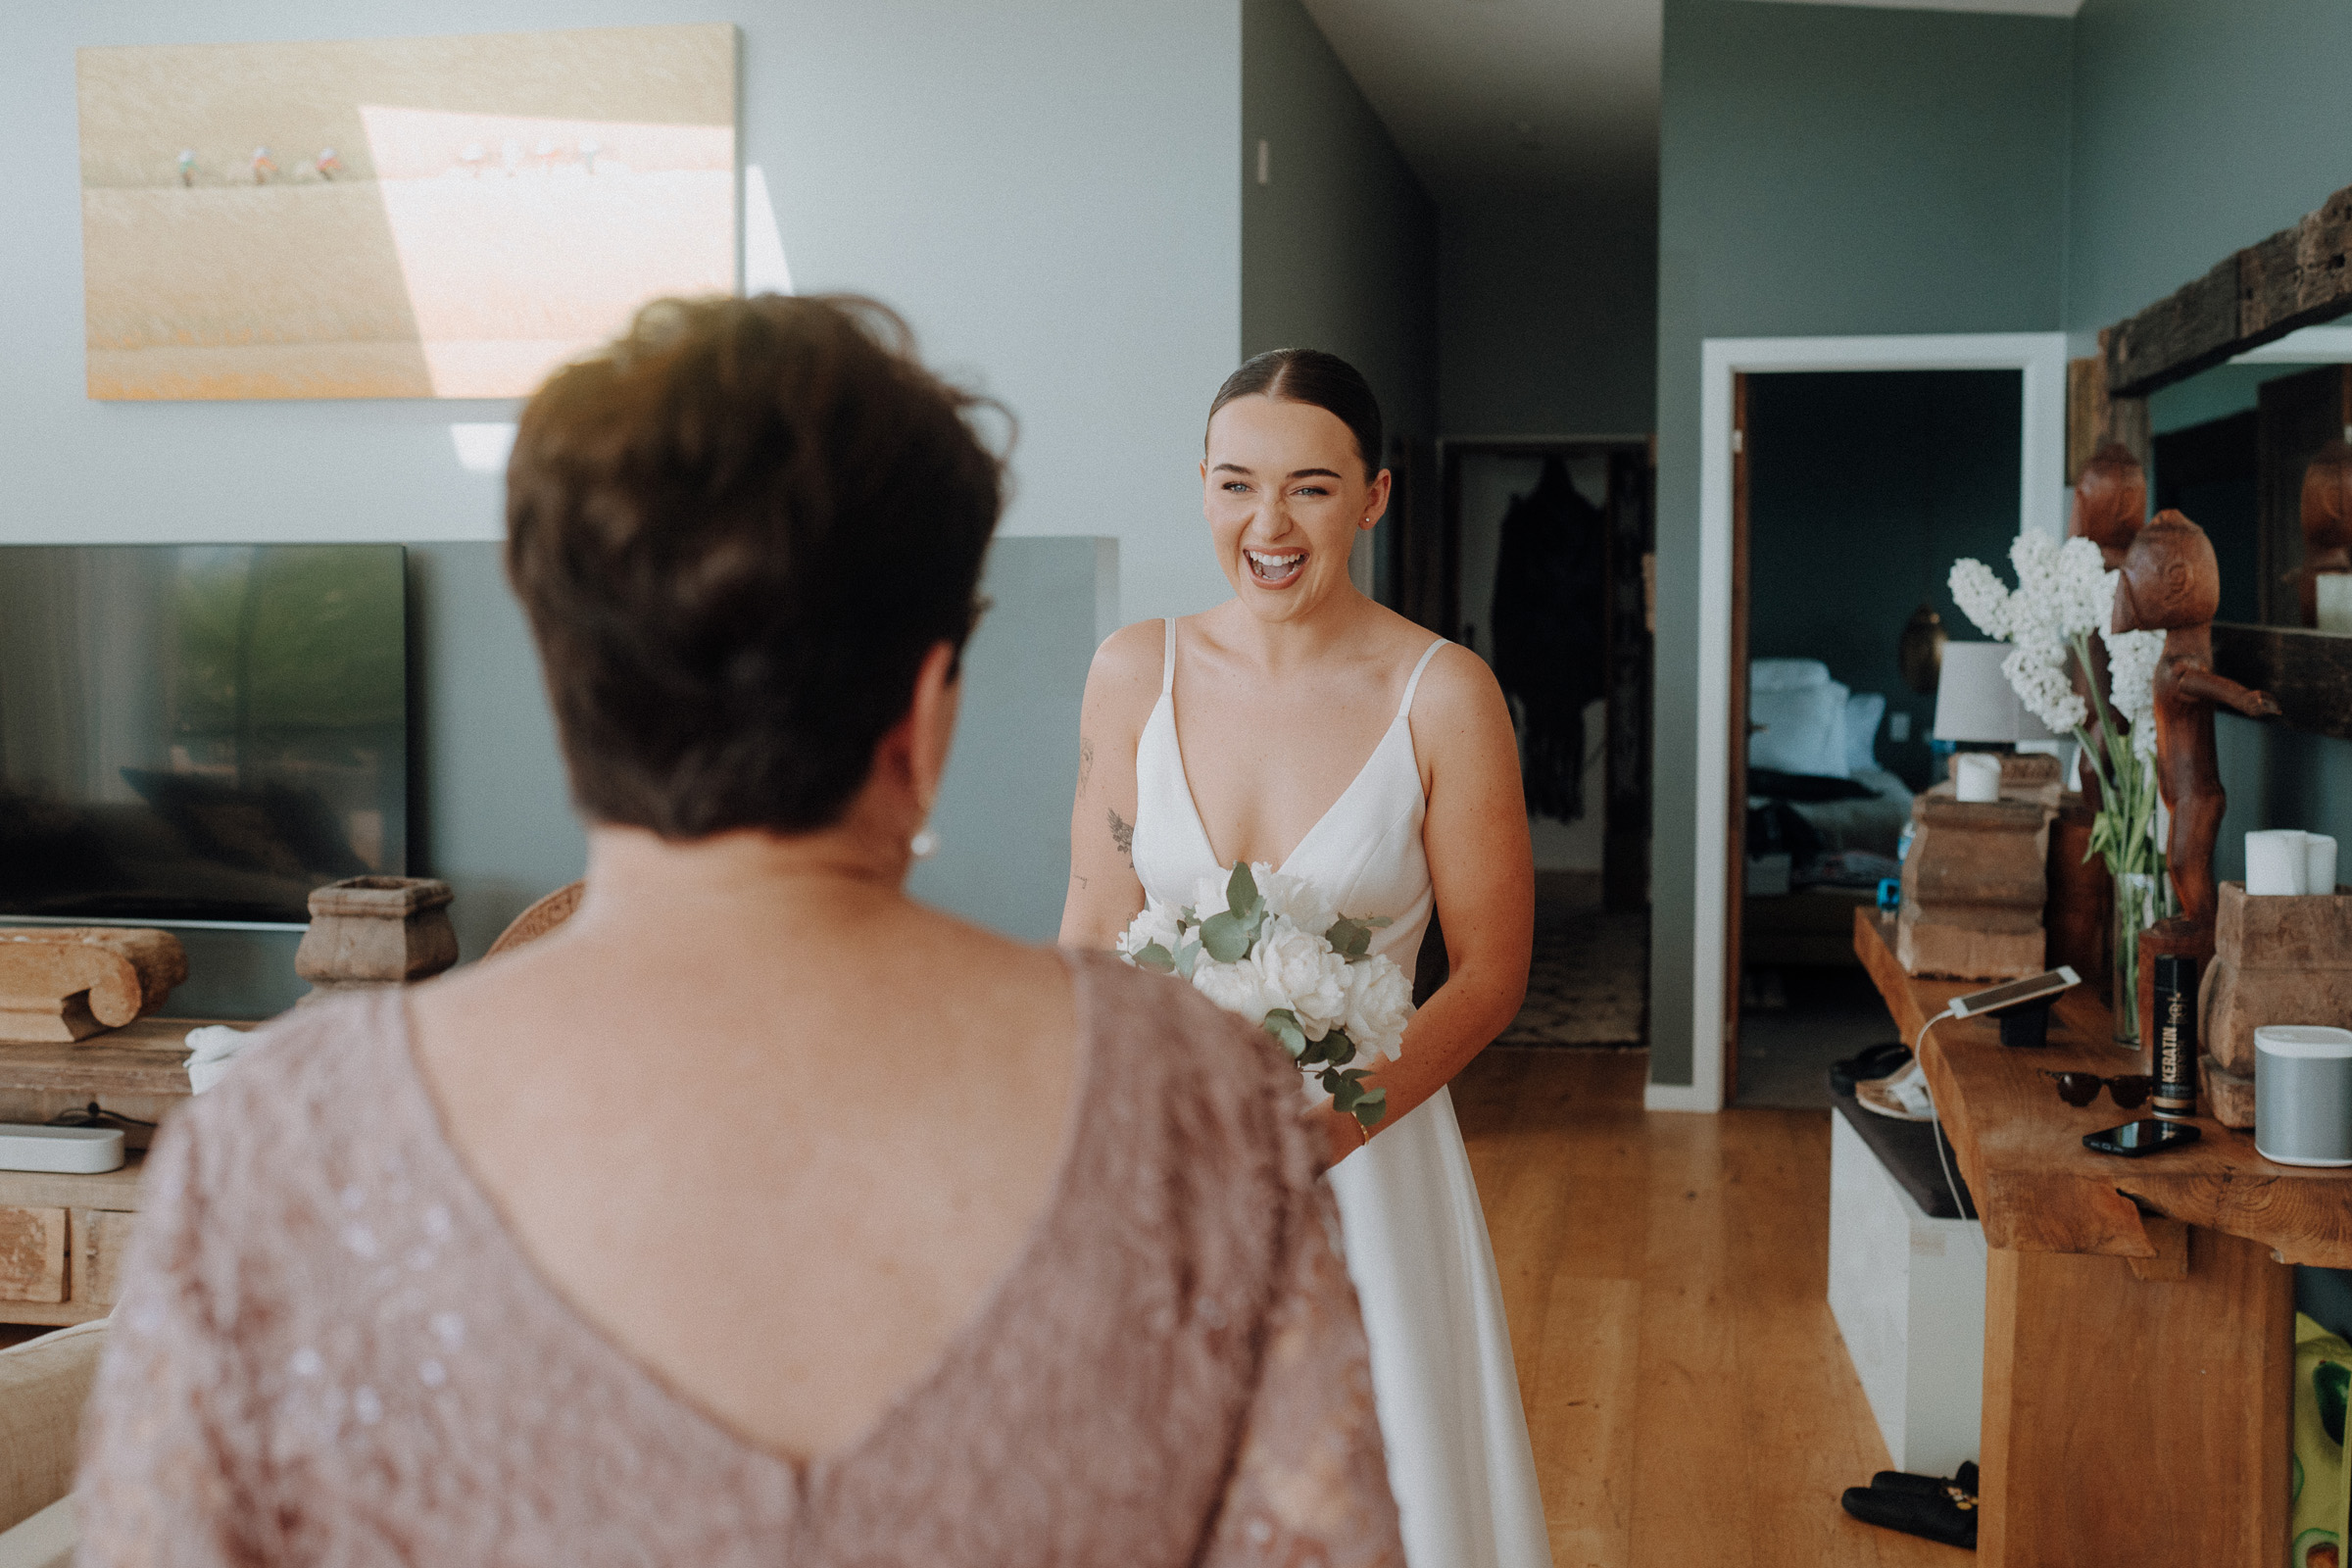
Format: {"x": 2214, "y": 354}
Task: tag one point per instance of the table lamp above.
{"x": 1973, "y": 700}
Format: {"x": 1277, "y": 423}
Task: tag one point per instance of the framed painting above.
{"x": 406, "y": 218}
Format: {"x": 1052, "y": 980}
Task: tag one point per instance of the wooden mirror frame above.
{"x": 2297, "y": 277}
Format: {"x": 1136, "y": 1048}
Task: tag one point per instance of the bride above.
{"x": 1330, "y": 737}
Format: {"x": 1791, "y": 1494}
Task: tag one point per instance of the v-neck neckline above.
{"x": 1192, "y": 802}
{"x": 978, "y": 1324}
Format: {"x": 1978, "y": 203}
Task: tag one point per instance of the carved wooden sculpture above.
{"x": 66, "y": 983}
{"x": 2111, "y": 502}
{"x": 2327, "y": 523}
{"x": 2172, "y": 584}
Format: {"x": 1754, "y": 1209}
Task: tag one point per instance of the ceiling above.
{"x": 1509, "y": 95}
{"x": 1533, "y": 95}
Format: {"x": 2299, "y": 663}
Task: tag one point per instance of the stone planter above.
{"x": 374, "y": 931}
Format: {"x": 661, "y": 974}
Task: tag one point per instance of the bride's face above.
{"x": 1285, "y": 494}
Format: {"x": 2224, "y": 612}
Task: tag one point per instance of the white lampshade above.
{"x": 1973, "y": 700}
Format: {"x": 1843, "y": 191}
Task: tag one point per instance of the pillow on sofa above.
{"x": 1863, "y": 711}
{"x": 1803, "y": 730}
{"x": 1785, "y": 674}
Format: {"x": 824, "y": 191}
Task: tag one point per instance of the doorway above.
{"x": 1861, "y": 488}
{"x": 1537, "y": 562}
{"x": 1720, "y": 752}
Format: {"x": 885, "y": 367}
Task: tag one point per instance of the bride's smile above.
{"x": 1287, "y": 493}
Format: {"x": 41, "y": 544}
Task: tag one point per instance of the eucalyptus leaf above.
{"x": 1241, "y": 892}
{"x": 1283, "y": 1025}
{"x": 1370, "y": 1107}
{"x": 1156, "y": 957}
{"x": 1378, "y": 922}
{"x": 1187, "y": 957}
{"x": 1227, "y": 937}
{"x": 1338, "y": 1048}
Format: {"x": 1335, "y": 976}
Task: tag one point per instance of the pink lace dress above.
{"x": 330, "y": 1351}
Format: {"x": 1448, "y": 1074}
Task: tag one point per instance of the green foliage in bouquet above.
{"x": 1228, "y": 937}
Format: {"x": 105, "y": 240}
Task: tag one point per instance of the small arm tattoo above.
{"x": 1122, "y": 835}
{"x": 1086, "y": 760}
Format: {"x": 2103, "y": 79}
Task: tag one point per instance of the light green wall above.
{"x": 1825, "y": 169}
{"x": 2198, "y": 131}
{"x": 1339, "y": 246}
{"x": 1547, "y": 313}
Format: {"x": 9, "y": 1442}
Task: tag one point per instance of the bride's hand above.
{"x": 1342, "y": 1134}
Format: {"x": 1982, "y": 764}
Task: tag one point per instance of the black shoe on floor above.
{"x": 1932, "y": 1485}
{"x": 1879, "y": 1061}
{"x": 1947, "y": 1515}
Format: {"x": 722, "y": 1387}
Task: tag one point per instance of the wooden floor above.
{"x": 1688, "y": 1395}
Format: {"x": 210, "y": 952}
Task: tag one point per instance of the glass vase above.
{"x": 2141, "y": 900}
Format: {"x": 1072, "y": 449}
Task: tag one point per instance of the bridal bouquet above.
{"x": 2064, "y": 593}
{"x": 1266, "y": 946}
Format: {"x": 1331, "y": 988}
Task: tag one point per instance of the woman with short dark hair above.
{"x": 759, "y": 1214}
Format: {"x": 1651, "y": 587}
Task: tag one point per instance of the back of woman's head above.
{"x": 737, "y": 532}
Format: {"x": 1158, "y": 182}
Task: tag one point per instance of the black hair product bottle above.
{"x": 2176, "y": 1009}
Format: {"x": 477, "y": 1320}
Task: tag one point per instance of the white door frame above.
{"x": 2041, "y": 508}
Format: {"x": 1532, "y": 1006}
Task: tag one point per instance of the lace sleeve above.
{"x": 1312, "y": 1483}
{"x": 160, "y": 1461}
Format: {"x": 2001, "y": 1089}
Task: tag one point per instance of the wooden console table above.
{"x": 62, "y": 1237}
{"x": 2138, "y": 1313}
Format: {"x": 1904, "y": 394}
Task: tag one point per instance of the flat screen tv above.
{"x": 199, "y": 732}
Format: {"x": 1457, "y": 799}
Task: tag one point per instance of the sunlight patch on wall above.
{"x": 763, "y": 266}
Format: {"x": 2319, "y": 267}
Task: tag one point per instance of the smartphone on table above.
{"x": 2150, "y": 1137}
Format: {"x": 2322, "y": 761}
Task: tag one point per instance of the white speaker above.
{"x": 2303, "y": 1093}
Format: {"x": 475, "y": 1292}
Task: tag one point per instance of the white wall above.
{"x": 1047, "y": 190}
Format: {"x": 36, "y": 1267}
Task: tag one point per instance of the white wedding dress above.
{"x": 1459, "y": 1457}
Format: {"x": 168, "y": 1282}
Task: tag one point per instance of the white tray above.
{"x": 73, "y": 1151}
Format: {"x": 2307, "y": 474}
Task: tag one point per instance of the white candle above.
{"x": 1976, "y": 777}
{"x": 2277, "y": 863}
{"x": 2319, "y": 863}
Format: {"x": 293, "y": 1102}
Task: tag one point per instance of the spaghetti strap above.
{"x": 1403, "y": 708}
{"x": 1167, "y": 660}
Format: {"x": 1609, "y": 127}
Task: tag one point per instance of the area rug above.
{"x": 1589, "y": 985}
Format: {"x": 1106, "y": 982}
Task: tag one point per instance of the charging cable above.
{"x": 1960, "y": 1204}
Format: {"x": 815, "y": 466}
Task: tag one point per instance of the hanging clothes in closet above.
{"x": 1550, "y": 627}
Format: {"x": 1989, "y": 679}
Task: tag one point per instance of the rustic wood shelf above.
{"x": 2138, "y": 1313}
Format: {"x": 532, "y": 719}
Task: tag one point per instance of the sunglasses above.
{"x": 2082, "y": 1087}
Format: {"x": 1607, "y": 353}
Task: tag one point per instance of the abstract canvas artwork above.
{"x": 410, "y": 218}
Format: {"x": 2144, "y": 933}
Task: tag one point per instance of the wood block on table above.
{"x": 1975, "y": 883}
{"x": 2226, "y": 1096}
{"x": 66, "y": 983}
{"x": 2283, "y": 960}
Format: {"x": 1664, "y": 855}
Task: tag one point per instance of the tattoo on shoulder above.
{"x": 1086, "y": 760}
{"x": 1122, "y": 835}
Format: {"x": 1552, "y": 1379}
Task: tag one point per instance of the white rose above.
{"x": 1237, "y": 988}
{"x": 1295, "y": 899}
{"x": 1305, "y": 972}
{"x": 1156, "y": 923}
{"x": 1379, "y": 1002}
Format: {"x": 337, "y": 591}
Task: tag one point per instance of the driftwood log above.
{"x": 66, "y": 983}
